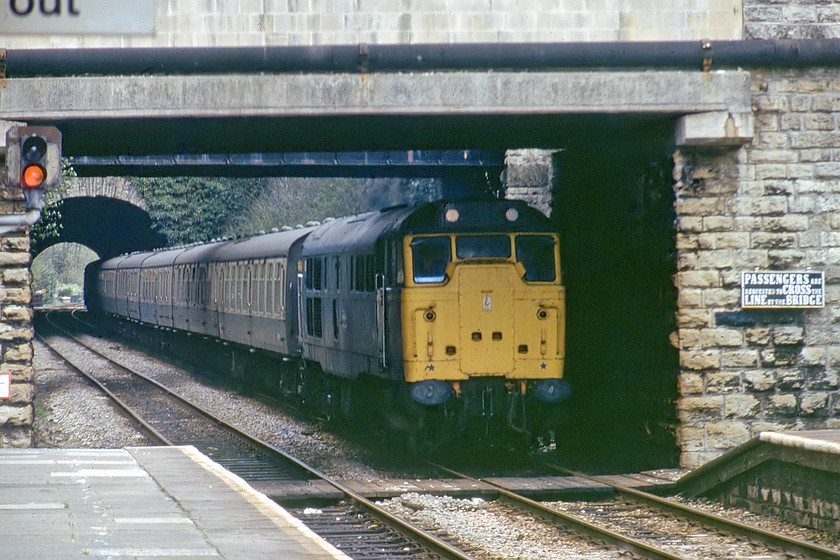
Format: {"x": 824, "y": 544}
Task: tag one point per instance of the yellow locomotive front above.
{"x": 483, "y": 315}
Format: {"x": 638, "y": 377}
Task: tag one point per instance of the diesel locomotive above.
{"x": 450, "y": 313}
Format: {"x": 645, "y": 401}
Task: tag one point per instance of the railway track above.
{"x": 649, "y": 526}
{"x": 633, "y": 524}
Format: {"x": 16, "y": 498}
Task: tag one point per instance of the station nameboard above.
{"x": 774, "y": 289}
{"x": 82, "y": 17}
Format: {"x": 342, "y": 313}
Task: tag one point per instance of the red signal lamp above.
{"x": 33, "y": 176}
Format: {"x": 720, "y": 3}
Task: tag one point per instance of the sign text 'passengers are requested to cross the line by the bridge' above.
{"x": 774, "y": 289}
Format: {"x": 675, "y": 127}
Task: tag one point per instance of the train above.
{"x": 448, "y": 315}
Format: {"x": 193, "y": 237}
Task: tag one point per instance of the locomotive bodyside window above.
{"x": 430, "y": 255}
{"x": 536, "y": 253}
{"x": 314, "y": 273}
{"x": 482, "y": 246}
{"x": 314, "y": 324}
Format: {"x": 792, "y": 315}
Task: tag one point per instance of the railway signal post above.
{"x": 33, "y": 164}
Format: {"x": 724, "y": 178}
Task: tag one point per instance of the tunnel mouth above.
{"x": 108, "y": 226}
{"x": 613, "y": 203}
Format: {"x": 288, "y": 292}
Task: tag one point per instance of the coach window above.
{"x": 536, "y": 253}
{"x": 239, "y": 282}
{"x": 279, "y": 282}
{"x": 429, "y": 256}
{"x": 337, "y": 274}
{"x": 260, "y": 287}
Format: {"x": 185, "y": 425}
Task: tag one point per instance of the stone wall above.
{"x": 16, "y": 330}
{"x": 119, "y": 188}
{"x": 528, "y": 176}
{"x": 771, "y": 205}
{"x": 791, "y": 19}
{"x": 185, "y": 23}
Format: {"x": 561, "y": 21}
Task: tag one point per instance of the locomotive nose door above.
{"x": 485, "y": 297}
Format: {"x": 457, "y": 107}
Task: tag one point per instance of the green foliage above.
{"x": 68, "y": 290}
{"x": 292, "y": 201}
{"x": 59, "y": 270}
{"x": 188, "y": 209}
{"x": 48, "y": 228}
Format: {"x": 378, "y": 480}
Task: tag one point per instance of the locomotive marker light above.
{"x": 33, "y": 161}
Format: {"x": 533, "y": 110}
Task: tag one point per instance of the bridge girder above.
{"x": 199, "y": 114}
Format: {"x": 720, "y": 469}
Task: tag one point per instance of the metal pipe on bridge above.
{"x": 693, "y": 55}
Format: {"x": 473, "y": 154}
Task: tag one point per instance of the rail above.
{"x": 788, "y": 544}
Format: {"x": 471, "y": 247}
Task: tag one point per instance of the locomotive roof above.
{"x": 355, "y": 233}
{"x": 361, "y": 232}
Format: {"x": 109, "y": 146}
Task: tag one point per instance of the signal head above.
{"x": 33, "y": 161}
{"x": 33, "y": 176}
{"x": 33, "y": 149}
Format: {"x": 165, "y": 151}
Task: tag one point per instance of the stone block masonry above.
{"x": 770, "y": 205}
{"x": 16, "y": 331}
{"x": 791, "y": 19}
{"x": 214, "y": 23}
{"x": 528, "y": 176}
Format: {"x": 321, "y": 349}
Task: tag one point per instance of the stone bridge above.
{"x": 668, "y": 182}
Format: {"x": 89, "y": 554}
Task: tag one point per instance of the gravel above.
{"x": 71, "y": 413}
{"x": 495, "y": 529}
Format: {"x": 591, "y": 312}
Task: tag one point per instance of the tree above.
{"x": 292, "y": 201}
{"x": 59, "y": 270}
{"x": 189, "y": 209}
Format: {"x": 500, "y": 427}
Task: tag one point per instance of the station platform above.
{"x": 794, "y": 476}
{"x": 145, "y": 502}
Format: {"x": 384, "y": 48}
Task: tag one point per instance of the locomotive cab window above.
{"x": 482, "y": 246}
{"x": 429, "y": 256}
{"x": 536, "y": 253}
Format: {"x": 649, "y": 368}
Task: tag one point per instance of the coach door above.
{"x": 485, "y": 294}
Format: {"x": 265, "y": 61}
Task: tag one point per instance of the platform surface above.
{"x": 149, "y": 502}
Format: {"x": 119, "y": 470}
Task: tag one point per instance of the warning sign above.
{"x": 773, "y": 289}
{"x": 5, "y": 385}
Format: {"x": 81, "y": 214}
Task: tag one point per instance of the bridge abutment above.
{"x": 16, "y": 330}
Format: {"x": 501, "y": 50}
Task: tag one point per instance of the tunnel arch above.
{"x": 108, "y": 226}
